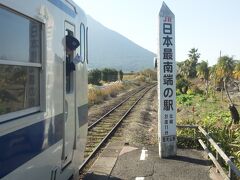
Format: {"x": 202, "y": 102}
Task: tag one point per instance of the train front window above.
{"x": 20, "y": 64}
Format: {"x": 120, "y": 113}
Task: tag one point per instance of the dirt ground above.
{"x": 141, "y": 125}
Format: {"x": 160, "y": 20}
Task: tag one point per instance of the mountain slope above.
{"x": 108, "y": 48}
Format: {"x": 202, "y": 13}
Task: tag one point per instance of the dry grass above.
{"x": 147, "y": 75}
{"x": 129, "y": 77}
{"x": 97, "y": 94}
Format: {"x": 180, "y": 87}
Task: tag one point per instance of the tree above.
{"x": 184, "y": 68}
{"x": 94, "y": 77}
{"x": 236, "y": 72}
{"x": 120, "y": 75}
{"x": 193, "y": 57}
{"x": 187, "y": 68}
{"x": 213, "y": 75}
{"x": 182, "y": 84}
{"x": 203, "y": 73}
{"x": 223, "y": 74}
{"x": 225, "y": 67}
{"x": 109, "y": 75}
{"x": 224, "y": 70}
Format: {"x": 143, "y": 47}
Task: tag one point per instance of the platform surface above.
{"x": 119, "y": 161}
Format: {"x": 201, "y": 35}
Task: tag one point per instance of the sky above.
{"x": 210, "y": 26}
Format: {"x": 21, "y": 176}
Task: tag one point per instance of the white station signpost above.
{"x": 166, "y": 84}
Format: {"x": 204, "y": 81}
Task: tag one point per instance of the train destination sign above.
{"x": 166, "y": 84}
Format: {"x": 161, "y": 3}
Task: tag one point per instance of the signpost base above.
{"x": 167, "y": 149}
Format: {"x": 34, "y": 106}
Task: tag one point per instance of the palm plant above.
{"x": 225, "y": 67}
{"x": 184, "y": 68}
{"x": 193, "y": 57}
{"x": 224, "y": 71}
{"x": 236, "y": 72}
{"x": 203, "y": 73}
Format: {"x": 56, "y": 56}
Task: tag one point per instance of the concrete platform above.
{"x": 106, "y": 161}
{"x": 143, "y": 163}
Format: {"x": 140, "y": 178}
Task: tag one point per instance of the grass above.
{"x": 213, "y": 115}
{"x": 147, "y": 75}
{"x": 98, "y": 94}
{"x": 127, "y": 77}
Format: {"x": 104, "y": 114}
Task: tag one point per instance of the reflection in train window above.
{"x": 19, "y": 88}
{"x": 19, "y": 37}
{"x": 20, "y": 64}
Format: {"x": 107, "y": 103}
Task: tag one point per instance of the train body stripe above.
{"x": 20, "y": 146}
{"x": 63, "y": 7}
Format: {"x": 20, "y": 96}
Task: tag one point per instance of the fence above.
{"x": 233, "y": 171}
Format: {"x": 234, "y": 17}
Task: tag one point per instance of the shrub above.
{"x": 94, "y": 77}
{"x": 94, "y": 95}
{"x": 190, "y": 92}
{"x": 109, "y": 75}
{"x": 140, "y": 78}
{"x": 196, "y": 90}
{"x": 182, "y": 84}
{"x": 185, "y": 99}
{"x": 178, "y": 92}
{"x": 97, "y": 94}
{"x": 149, "y": 74}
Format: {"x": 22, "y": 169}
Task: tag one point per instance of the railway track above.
{"x": 106, "y": 109}
{"x": 102, "y": 129}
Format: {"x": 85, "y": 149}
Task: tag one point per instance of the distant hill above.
{"x": 110, "y": 49}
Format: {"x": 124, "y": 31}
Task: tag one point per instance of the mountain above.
{"x": 110, "y": 49}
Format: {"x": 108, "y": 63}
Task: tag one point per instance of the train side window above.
{"x": 86, "y": 45}
{"x": 82, "y": 41}
{"x": 20, "y": 64}
{"x": 69, "y": 73}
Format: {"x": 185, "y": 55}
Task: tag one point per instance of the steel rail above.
{"x": 114, "y": 128}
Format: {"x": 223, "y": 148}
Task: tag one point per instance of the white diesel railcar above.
{"x": 43, "y": 89}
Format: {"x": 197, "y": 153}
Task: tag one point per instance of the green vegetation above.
{"x": 214, "y": 116}
{"x": 185, "y": 99}
{"x": 109, "y": 75}
{"x": 182, "y": 84}
{"x": 95, "y": 76}
{"x": 198, "y": 102}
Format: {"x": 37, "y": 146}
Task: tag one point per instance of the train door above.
{"x": 69, "y": 99}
